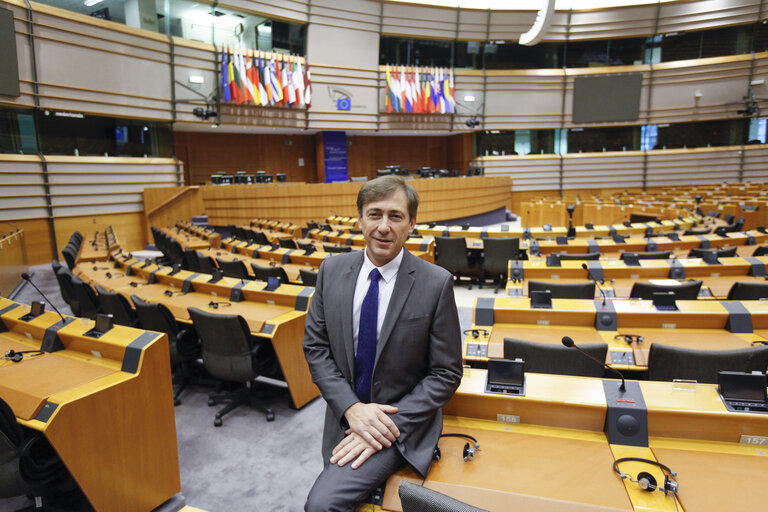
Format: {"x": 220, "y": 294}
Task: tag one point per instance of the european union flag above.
{"x": 343, "y": 104}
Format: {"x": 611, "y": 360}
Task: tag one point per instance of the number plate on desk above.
{"x": 754, "y": 440}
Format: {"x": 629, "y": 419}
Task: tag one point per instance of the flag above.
{"x": 247, "y": 85}
{"x": 253, "y": 76}
{"x": 225, "y": 92}
{"x": 263, "y": 88}
{"x": 290, "y": 85}
{"x": 286, "y": 85}
{"x": 308, "y": 88}
{"x": 275, "y": 81}
{"x": 407, "y": 90}
{"x": 298, "y": 83}
{"x": 452, "y": 93}
{"x": 417, "y": 104}
{"x": 234, "y": 81}
{"x": 388, "y": 92}
{"x": 447, "y": 92}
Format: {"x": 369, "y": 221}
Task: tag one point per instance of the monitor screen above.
{"x": 600, "y": 98}
{"x": 506, "y": 371}
{"x": 742, "y": 386}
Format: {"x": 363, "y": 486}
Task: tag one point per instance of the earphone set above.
{"x": 16, "y": 357}
{"x": 476, "y": 332}
{"x": 469, "y": 449}
{"x": 645, "y": 480}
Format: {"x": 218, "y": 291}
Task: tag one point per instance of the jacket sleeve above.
{"x": 444, "y": 368}
{"x": 334, "y": 386}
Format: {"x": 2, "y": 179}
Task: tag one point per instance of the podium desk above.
{"x": 557, "y": 457}
{"x": 90, "y": 401}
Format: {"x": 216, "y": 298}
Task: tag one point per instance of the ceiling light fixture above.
{"x": 89, "y": 3}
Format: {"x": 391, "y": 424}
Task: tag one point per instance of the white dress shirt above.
{"x": 386, "y": 286}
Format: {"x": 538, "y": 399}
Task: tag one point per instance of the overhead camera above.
{"x": 472, "y": 122}
{"x": 204, "y": 113}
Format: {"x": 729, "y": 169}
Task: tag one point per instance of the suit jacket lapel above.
{"x": 403, "y": 286}
{"x": 349, "y": 281}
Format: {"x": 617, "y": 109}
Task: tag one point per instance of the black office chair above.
{"x": 190, "y": 261}
{"x": 86, "y": 299}
{"x": 205, "y": 264}
{"x": 308, "y": 278}
{"x": 650, "y": 255}
{"x": 585, "y": 290}
{"x": 685, "y": 291}
{"x": 65, "y": 282}
{"x": 259, "y": 238}
{"x": 28, "y": 463}
{"x": 669, "y": 363}
{"x": 287, "y": 243}
{"x": 235, "y": 268}
{"x": 697, "y": 252}
{"x": 231, "y": 354}
{"x": 306, "y": 246}
{"x": 353, "y": 231}
{"x": 497, "y": 254}
{"x": 70, "y": 255}
{"x": 550, "y": 358}
{"x": 451, "y": 254}
{"x": 264, "y": 273}
{"x": 417, "y": 498}
{"x": 697, "y": 231}
{"x": 748, "y": 291}
{"x": 761, "y": 251}
{"x": 728, "y": 218}
{"x": 182, "y": 342}
{"x": 336, "y": 248}
{"x": 732, "y": 227}
{"x": 118, "y": 306}
{"x": 713, "y": 213}
{"x": 576, "y": 257}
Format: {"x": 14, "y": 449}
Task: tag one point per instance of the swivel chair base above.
{"x": 240, "y": 396}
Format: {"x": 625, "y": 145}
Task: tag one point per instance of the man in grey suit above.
{"x": 382, "y": 340}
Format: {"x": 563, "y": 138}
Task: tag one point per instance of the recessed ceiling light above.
{"x": 89, "y": 3}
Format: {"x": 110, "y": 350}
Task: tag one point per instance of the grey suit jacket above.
{"x": 418, "y": 354}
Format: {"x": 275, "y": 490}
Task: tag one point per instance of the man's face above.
{"x": 385, "y": 224}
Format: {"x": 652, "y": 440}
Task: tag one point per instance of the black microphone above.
{"x": 568, "y": 342}
{"x": 26, "y": 277}
{"x": 589, "y": 273}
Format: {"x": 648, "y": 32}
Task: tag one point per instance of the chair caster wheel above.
{"x": 176, "y": 401}
{"x": 211, "y": 402}
{"x": 270, "y": 416}
{"x": 217, "y": 422}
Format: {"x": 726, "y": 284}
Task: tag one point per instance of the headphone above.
{"x": 217, "y": 305}
{"x": 629, "y": 338}
{"x": 469, "y": 449}
{"x": 476, "y": 332}
{"x": 645, "y": 480}
{"x": 16, "y": 357}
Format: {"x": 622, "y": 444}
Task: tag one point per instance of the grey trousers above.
{"x": 340, "y": 489}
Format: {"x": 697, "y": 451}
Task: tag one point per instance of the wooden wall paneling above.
{"x": 366, "y": 154}
{"x": 37, "y": 239}
{"x": 611, "y": 169}
{"x": 684, "y": 16}
{"x": 164, "y": 206}
{"x": 130, "y": 229}
{"x": 460, "y": 150}
{"x": 529, "y": 172}
{"x": 210, "y": 152}
{"x": 13, "y": 259}
{"x": 22, "y": 193}
{"x": 701, "y": 165}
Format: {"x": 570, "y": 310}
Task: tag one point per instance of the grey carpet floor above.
{"x": 248, "y": 463}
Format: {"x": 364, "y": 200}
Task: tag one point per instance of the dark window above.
{"x": 430, "y": 53}
{"x": 468, "y": 54}
{"x": 728, "y": 132}
{"x": 516, "y": 56}
{"x": 288, "y": 36}
{"x": 17, "y": 131}
{"x": 726, "y": 41}
{"x": 681, "y": 46}
{"x": 761, "y": 36}
{"x": 582, "y": 54}
{"x": 593, "y": 140}
{"x": 626, "y": 52}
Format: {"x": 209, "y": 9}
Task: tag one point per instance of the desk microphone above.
{"x": 568, "y": 342}
{"x": 597, "y": 282}
{"x": 26, "y": 277}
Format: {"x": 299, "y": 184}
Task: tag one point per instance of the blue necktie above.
{"x": 366, "y": 339}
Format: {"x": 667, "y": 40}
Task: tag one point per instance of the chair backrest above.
{"x": 175, "y": 252}
{"x": 229, "y": 351}
{"x": 235, "y": 268}
{"x": 761, "y": 251}
{"x": 86, "y": 298}
{"x": 416, "y": 498}
{"x": 205, "y": 264}
{"x": 685, "y": 291}
{"x": 156, "y": 317}
{"x": 583, "y": 256}
{"x": 585, "y": 290}
{"x": 287, "y": 243}
{"x": 264, "y": 273}
{"x": 498, "y": 252}
{"x": 190, "y": 261}
{"x": 728, "y": 218}
{"x": 116, "y": 305}
{"x": 259, "y": 238}
{"x": 336, "y": 248}
{"x": 698, "y": 252}
{"x": 70, "y": 255}
{"x": 65, "y": 283}
{"x": 651, "y": 255}
{"x": 669, "y": 363}
{"x": 550, "y": 358}
{"x": 748, "y": 291}
{"x": 451, "y": 253}
{"x": 697, "y": 231}
{"x": 308, "y": 278}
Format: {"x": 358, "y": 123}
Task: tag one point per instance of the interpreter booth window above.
{"x": 511, "y": 55}
{"x": 757, "y": 131}
{"x": 616, "y": 52}
{"x": 728, "y": 132}
{"x": 74, "y": 133}
{"x": 597, "y": 140}
{"x": 415, "y": 52}
{"x": 515, "y": 142}
{"x": 17, "y": 131}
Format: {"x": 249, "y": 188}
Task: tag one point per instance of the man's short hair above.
{"x": 384, "y": 186}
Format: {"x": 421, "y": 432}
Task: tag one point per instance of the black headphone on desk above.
{"x": 469, "y": 449}
{"x": 476, "y": 332}
{"x": 16, "y": 357}
{"x": 647, "y": 481}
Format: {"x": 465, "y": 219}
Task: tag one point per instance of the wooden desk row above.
{"x": 290, "y": 229}
{"x": 547, "y": 450}
{"x": 211, "y": 236}
{"x": 698, "y": 324}
{"x": 90, "y": 401}
{"x": 277, "y": 316}
{"x": 98, "y": 246}
{"x": 185, "y": 239}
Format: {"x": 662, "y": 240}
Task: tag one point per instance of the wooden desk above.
{"x": 90, "y": 401}
{"x": 186, "y": 240}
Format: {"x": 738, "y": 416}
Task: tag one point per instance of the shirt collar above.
{"x": 388, "y": 271}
